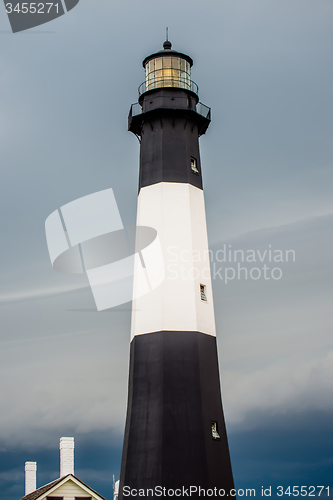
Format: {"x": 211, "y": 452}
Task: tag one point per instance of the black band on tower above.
{"x": 169, "y": 126}
{"x": 168, "y": 147}
{"x": 174, "y": 398}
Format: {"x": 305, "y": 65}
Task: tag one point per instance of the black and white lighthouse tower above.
{"x": 175, "y": 434}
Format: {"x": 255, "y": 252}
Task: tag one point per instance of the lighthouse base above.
{"x": 174, "y": 405}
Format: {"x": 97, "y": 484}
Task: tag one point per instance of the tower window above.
{"x": 215, "y": 434}
{"x": 194, "y": 167}
{"x": 203, "y": 292}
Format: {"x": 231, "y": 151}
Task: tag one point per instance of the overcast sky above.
{"x": 265, "y": 67}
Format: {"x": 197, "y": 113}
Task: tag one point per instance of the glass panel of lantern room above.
{"x": 167, "y": 76}
{"x": 158, "y": 63}
{"x": 186, "y": 74}
{"x": 147, "y": 72}
{"x": 149, "y": 76}
{"x": 153, "y": 74}
{"x": 175, "y": 63}
{"x": 182, "y": 73}
{"x": 158, "y": 75}
{"x": 175, "y": 73}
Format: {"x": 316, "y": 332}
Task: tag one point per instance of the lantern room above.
{"x": 168, "y": 68}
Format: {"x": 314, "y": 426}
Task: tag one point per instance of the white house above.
{"x": 67, "y": 487}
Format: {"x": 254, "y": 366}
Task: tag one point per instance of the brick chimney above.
{"x": 66, "y": 456}
{"x": 30, "y": 470}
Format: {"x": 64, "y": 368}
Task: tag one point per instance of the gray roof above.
{"x": 44, "y": 489}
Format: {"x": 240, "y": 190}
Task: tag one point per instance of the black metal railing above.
{"x": 136, "y": 109}
{"x": 201, "y": 109}
{"x": 160, "y": 83}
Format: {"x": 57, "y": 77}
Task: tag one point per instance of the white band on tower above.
{"x": 178, "y": 215}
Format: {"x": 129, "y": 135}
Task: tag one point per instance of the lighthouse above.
{"x": 175, "y": 435}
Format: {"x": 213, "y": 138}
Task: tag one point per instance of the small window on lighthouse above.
{"x": 215, "y": 434}
{"x": 203, "y": 292}
{"x": 194, "y": 167}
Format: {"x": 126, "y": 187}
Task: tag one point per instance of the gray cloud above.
{"x": 275, "y": 336}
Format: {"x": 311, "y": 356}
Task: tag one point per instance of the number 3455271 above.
{"x": 32, "y": 8}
